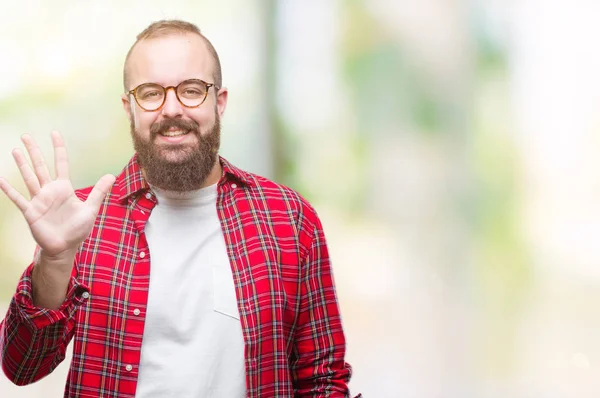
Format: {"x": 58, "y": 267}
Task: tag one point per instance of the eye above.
{"x": 192, "y": 91}
{"x": 151, "y": 94}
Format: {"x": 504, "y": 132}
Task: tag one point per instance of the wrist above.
{"x": 50, "y": 279}
{"x": 58, "y": 263}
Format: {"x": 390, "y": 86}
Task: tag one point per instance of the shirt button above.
{"x": 142, "y": 254}
{"x": 234, "y": 186}
{"x": 128, "y": 368}
{"x": 148, "y": 195}
{"x": 85, "y": 295}
{"x": 136, "y": 311}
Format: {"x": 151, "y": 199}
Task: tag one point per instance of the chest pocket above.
{"x": 224, "y": 297}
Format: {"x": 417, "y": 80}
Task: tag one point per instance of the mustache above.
{"x": 180, "y": 124}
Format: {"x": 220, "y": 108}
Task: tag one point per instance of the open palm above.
{"x": 59, "y": 221}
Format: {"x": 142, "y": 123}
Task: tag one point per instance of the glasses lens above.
{"x": 191, "y": 92}
{"x": 150, "y": 96}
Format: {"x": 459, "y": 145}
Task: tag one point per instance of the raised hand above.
{"x": 59, "y": 221}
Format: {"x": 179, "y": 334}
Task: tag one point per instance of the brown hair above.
{"x": 167, "y": 27}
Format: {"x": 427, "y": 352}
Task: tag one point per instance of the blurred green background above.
{"x": 449, "y": 146}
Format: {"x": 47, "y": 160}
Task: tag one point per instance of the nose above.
{"x": 172, "y": 107}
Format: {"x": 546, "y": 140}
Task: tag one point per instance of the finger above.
{"x": 31, "y": 181}
{"x": 39, "y": 164}
{"x": 14, "y": 195}
{"x": 61, "y": 162}
{"x": 99, "y": 192}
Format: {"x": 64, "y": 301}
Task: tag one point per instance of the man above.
{"x": 185, "y": 277}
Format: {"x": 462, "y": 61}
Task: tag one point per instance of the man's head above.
{"x": 177, "y": 143}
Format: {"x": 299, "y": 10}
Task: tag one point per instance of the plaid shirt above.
{"x": 294, "y": 343}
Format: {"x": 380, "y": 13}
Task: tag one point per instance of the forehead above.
{"x": 168, "y": 60}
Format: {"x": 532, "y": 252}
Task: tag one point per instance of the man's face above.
{"x": 177, "y": 146}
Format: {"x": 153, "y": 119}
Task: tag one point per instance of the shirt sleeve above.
{"x": 319, "y": 368}
{"x": 33, "y": 340}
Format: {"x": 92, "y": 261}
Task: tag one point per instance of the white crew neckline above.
{"x": 196, "y": 197}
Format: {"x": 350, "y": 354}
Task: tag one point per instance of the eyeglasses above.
{"x": 190, "y": 93}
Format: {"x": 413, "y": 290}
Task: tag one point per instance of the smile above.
{"x": 174, "y": 133}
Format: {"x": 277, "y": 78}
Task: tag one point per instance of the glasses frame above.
{"x": 175, "y": 88}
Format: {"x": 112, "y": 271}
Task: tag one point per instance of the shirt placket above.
{"x": 138, "y": 289}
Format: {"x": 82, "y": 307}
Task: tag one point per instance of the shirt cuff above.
{"x": 39, "y": 318}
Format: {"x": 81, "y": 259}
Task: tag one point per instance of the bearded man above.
{"x": 184, "y": 276}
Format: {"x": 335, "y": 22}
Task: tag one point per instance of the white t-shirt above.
{"x": 192, "y": 344}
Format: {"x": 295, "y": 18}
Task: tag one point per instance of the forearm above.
{"x": 33, "y": 340}
{"x": 319, "y": 367}
{"x": 50, "y": 279}
{"x": 29, "y": 354}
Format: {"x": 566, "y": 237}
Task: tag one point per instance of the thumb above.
{"x": 99, "y": 191}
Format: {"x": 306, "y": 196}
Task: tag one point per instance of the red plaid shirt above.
{"x": 294, "y": 343}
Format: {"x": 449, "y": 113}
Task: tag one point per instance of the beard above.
{"x": 175, "y": 167}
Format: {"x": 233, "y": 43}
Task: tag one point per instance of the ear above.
{"x": 222, "y": 100}
{"x": 127, "y": 105}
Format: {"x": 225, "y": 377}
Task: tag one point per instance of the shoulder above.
{"x": 277, "y": 197}
{"x": 129, "y": 181}
{"x": 270, "y": 195}
{"x": 83, "y": 193}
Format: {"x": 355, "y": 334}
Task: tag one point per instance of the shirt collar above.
{"x": 232, "y": 172}
{"x": 131, "y": 180}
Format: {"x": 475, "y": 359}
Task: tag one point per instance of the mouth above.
{"x": 174, "y": 136}
{"x": 174, "y": 133}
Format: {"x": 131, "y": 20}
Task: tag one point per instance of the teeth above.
{"x": 174, "y": 133}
